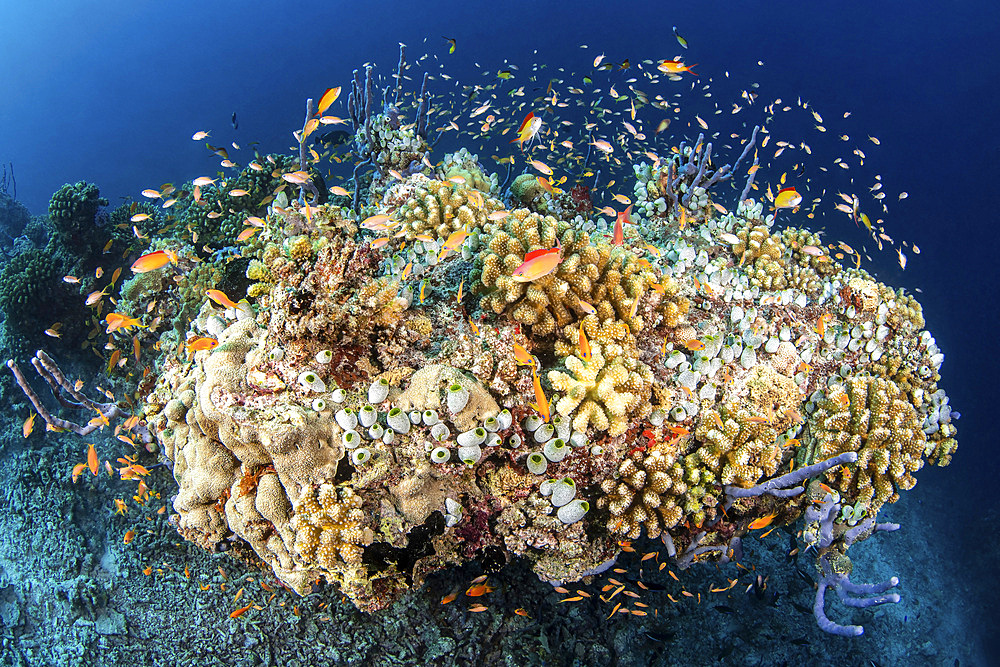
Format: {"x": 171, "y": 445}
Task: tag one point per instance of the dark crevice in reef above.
{"x": 380, "y": 555}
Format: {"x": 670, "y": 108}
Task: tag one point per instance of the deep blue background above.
{"x": 113, "y": 95}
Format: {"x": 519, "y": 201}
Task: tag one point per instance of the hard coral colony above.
{"x": 364, "y": 420}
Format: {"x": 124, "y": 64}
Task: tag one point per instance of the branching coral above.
{"x": 871, "y": 417}
{"x": 608, "y": 278}
{"x": 647, "y": 492}
{"x": 607, "y": 392}
{"x": 438, "y": 208}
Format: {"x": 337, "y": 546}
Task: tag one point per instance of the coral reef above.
{"x": 445, "y": 372}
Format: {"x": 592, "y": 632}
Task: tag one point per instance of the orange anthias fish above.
{"x": 694, "y": 345}
{"x": 538, "y": 263}
{"x": 528, "y": 129}
{"x": 92, "y": 461}
{"x": 479, "y": 589}
{"x": 201, "y": 343}
{"x": 328, "y": 98}
{"x": 29, "y": 424}
{"x": 522, "y": 356}
{"x": 453, "y": 242}
{"x": 821, "y": 323}
{"x": 618, "y": 237}
{"x": 154, "y": 260}
{"x": 585, "y": 352}
{"x": 675, "y": 67}
{"x": 787, "y": 198}
{"x": 219, "y": 297}
{"x": 541, "y": 405}
{"x": 118, "y": 321}
{"x": 762, "y": 522}
{"x": 239, "y": 612}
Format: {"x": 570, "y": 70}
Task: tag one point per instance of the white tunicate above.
{"x": 277, "y": 354}
{"x": 536, "y": 463}
{"x": 688, "y": 379}
{"x": 771, "y": 346}
{"x": 324, "y": 356}
{"x": 378, "y": 391}
{"x": 871, "y": 345}
{"x": 414, "y": 416}
{"x": 309, "y": 381}
{"x": 532, "y": 422}
{"x": 674, "y": 359}
{"x": 351, "y": 439}
{"x": 430, "y": 417}
{"x": 457, "y": 398}
{"x": 707, "y": 392}
{"x": 555, "y": 450}
{"x": 440, "y": 432}
{"x": 876, "y": 354}
{"x": 360, "y": 456}
{"x": 491, "y": 424}
{"x": 375, "y": 431}
{"x": 748, "y": 359}
{"x": 339, "y": 396}
{"x": 493, "y": 440}
{"x": 800, "y": 300}
{"x": 214, "y": 326}
{"x": 727, "y": 354}
{"x": 504, "y": 419}
{"x": 678, "y": 414}
{"x": 573, "y": 511}
{"x": 578, "y": 439}
{"x": 854, "y": 345}
{"x": 545, "y": 488}
{"x": 476, "y": 436}
{"x": 514, "y": 440}
{"x": 346, "y": 418}
{"x": 752, "y": 340}
{"x": 319, "y": 405}
{"x": 736, "y": 316}
{"x": 452, "y": 507}
{"x": 368, "y": 415}
{"x": 842, "y": 340}
{"x": 596, "y": 450}
{"x": 657, "y": 416}
{"x": 388, "y": 437}
{"x": 398, "y": 421}
{"x": 544, "y": 433}
{"x": 563, "y": 427}
{"x": 882, "y": 332}
{"x": 563, "y": 492}
{"x": 470, "y": 454}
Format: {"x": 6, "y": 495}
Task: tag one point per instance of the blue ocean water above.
{"x": 111, "y": 94}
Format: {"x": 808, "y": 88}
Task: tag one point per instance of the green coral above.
{"x": 73, "y": 217}
{"x": 29, "y": 291}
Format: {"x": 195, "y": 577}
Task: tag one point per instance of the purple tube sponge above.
{"x": 860, "y": 596}
{"x": 778, "y": 486}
